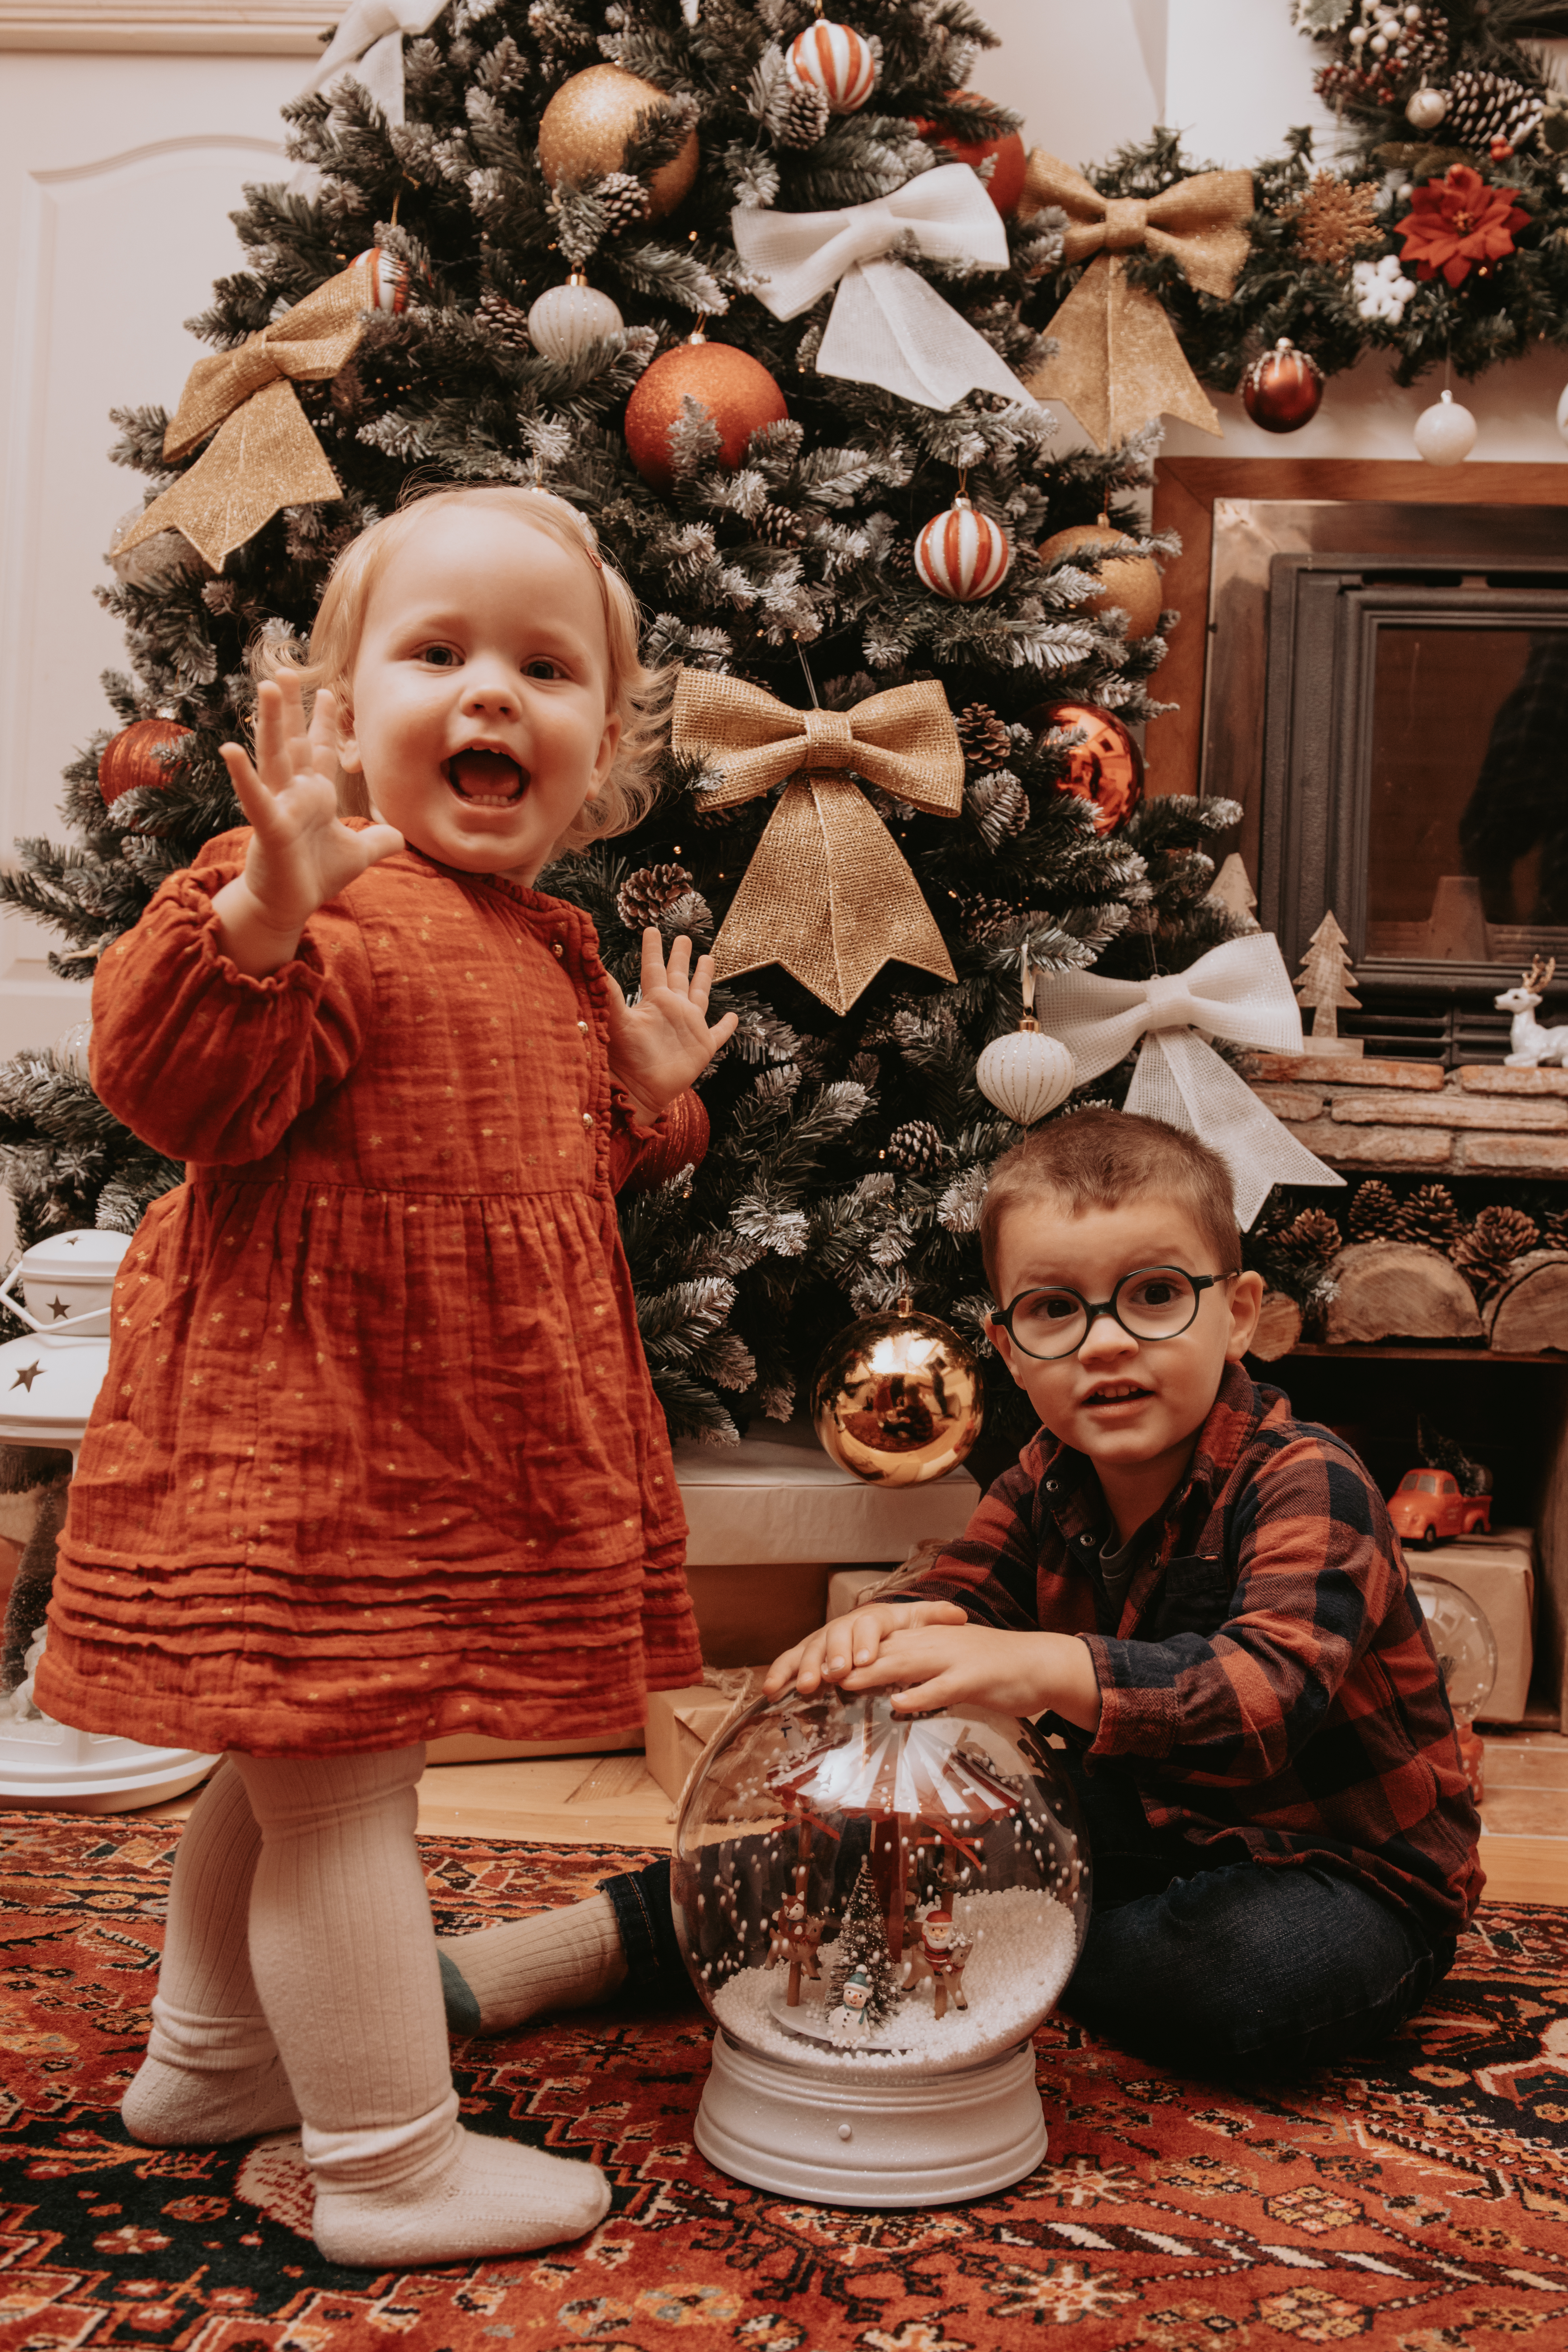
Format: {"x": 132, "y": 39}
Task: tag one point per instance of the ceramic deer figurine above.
{"x": 1531, "y": 1043}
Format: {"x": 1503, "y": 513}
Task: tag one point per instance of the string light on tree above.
{"x": 836, "y": 62}
{"x": 961, "y": 554}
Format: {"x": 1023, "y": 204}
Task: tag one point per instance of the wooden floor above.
{"x": 613, "y": 1800}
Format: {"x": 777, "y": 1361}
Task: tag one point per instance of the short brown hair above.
{"x": 633, "y": 694}
{"x": 1098, "y": 1160}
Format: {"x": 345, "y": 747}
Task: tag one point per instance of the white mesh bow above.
{"x": 1241, "y": 992}
{"x": 368, "y": 44}
{"x": 887, "y": 327}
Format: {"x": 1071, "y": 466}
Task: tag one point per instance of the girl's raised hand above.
{"x": 301, "y": 853}
{"x": 661, "y": 1042}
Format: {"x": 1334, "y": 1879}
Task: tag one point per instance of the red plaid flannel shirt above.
{"x": 1271, "y": 1684}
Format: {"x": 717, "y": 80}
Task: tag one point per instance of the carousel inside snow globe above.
{"x": 878, "y": 1909}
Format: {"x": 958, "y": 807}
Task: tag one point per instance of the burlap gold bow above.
{"x": 1120, "y": 362}
{"x": 264, "y": 455}
{"x": 826, "y": 894}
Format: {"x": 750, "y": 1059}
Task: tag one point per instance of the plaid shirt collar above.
{"x": 1069, "y": 1486}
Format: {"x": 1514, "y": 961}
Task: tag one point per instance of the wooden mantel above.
{"x": 1186, "y": 490}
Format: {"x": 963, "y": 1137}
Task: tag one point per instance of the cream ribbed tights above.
{"x": 344, "y": 1968}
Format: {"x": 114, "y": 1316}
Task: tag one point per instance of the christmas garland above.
{"x": 1441, "y": 238}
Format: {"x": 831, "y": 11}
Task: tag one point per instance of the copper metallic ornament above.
{"x": 1106, "y": 768}
{"x": 131, "y": 761}
{"x": 683, "y": 1144}
{"x": 736, "y": 390}
{"x": 1283, "y": 389}
{"x": 896, "y": 1398}
{"x": 588, "y": 124}
{"x": 1129, "y": 584}
{"x": 1006, "y": 184}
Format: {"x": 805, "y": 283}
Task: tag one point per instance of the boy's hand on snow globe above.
{"x": 834, "y": 1653}
{"x": 661, "y": 1042}
{"x": 301, "y": 853}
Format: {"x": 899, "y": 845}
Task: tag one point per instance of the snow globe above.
{"x": 877, "y": 1909}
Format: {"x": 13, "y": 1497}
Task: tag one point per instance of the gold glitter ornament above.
{"x": 896, "y": 1398}
{"x": 587, "y": 125}
{"x": 1128, "y": 583}
{"x": 1336, "y": 218}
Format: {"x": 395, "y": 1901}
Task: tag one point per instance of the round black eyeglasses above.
{"x": 1155, "y": 1302}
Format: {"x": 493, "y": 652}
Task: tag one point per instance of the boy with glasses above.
{"x": 1205, "y": 1597}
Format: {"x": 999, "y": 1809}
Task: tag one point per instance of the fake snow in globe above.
{"x": 896, "y": 1398}
{"x": 878, "y": 1909}
{"x": 833, "y": 59}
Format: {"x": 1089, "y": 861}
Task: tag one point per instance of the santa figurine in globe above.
{"x": 938, "y": 1959}
{"x": 377, "y": 1456}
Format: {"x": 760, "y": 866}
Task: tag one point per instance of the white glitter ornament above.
{"x": 1027, "y": 1073}
{"x": 1446, "y": 433}
{"x": 1380, "y": 289}
{"x": 1424, "y": 109}
{"x": 962, "y": 554}
{"x": 833, "y": 59}
{"x": 567, "y": 319}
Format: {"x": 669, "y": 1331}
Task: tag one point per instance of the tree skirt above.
{"x": 1419, "y": 2204}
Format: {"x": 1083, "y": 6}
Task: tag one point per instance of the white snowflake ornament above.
{"x": 1380, "y": 289}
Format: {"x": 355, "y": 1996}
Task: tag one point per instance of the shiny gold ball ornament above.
{"x": 139, "y": 758}
{"x": 586, "y": 126}
{"x": 1128, "y": 583}
{"x": 896, "y": 1398}
{"x": 736, "y": 390}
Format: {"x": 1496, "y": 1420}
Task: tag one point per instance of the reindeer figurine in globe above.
{"x": 1530, "y": 1043}
{"x": 795, "y": 1939}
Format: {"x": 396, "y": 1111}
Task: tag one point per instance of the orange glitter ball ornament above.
{"x": 683, "y": 1144}
{"x": 133, "y": 761}
{"x": 737, "y": 391}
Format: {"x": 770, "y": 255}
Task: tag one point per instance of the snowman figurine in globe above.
{"x": 878, "y": 1909}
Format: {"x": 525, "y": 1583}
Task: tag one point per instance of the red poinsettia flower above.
{"x": 1457, "y": 221}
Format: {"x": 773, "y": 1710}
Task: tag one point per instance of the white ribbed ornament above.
{"x": 961, "y": 554}
{"x": 1444, "y": 434}
{"x": 567, "y": 319}
{"x": 836, "y": 62}
{"x": 1027, "y": 1074}
{"x": 391, "y": 278}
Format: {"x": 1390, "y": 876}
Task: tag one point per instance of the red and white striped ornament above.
{"x": 391, "y": 278}
{"x": 962, "y": 554}
{"x": 836, "y": 62}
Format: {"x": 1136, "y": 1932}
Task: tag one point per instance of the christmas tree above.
{"x": 768, "y": 529}
{"x": 862, "y": 1943}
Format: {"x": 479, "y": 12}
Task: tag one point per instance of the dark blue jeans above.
{"x": 1246, "y": 1967}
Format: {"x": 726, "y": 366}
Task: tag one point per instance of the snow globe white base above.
{"x": 48, "y": 1767}
{"x": 878, "y": 1909}
{"x": 905, "y": 2140}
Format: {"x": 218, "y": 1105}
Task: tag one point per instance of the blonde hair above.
{"x": 633, "y": 694}
{"x": 1099, "y": 1158}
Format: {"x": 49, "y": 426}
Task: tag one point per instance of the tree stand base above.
{"x": 845, "y": 2139}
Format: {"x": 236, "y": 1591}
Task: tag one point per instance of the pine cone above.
{"x": 1554, "y": 1226}
{"x": 985, "y": 740}
{"x": 1488, "y": 1248}
{"x": 1374, "y": 1213}
{"x": 623, "y": 199}
{"x": 916, "y": 1146}
{"x": 643, "y": 896}
{"x": 1429, "y": 1217}
{"x": 805, "y": 118}
{"x": 987, "y": 918}
{"x": 780, "y": 526}
{"x": 505, "y": 321}
{"x": 1313, "y": 1236}
{"x": 1484, "y": 107}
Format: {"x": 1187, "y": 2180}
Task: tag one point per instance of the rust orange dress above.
{"x": 377, "y": 1457}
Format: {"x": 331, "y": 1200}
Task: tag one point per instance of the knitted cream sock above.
{"x": 212, "y": 2071}
{"x": 556, "y": 1960}
{"x": 345, "y": 1961}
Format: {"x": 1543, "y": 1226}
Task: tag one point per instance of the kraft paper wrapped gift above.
{"x": 1498, "y": 1571}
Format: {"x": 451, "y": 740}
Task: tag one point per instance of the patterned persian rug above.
{"x": 1419, "y": 2204}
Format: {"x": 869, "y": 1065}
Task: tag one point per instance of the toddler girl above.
{"x": 377, "y": 1457}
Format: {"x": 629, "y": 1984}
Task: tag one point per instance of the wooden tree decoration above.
{"x": 1324, "y": 985}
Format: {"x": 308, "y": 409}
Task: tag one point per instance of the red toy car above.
{"x": 1426, "y": 1507}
